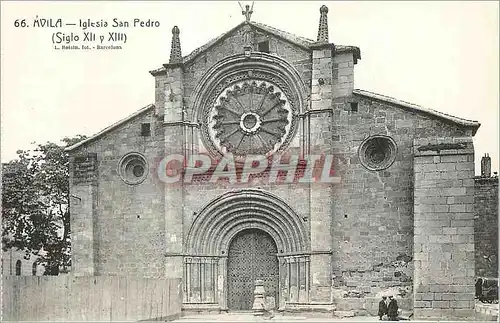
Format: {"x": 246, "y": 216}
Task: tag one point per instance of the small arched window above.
{"x": 33, "y": 270}
{"x": 18, "y": 268}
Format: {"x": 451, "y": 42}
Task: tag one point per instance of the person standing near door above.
{"x": 382, "y": 307}
{"x": 392, "y": 309}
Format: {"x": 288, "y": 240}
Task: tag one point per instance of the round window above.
{"x": 133, "y": 168}
{"x": 377, "y": 152}
{"x": 138, "y": 170}
{"x": 250, "y": 117}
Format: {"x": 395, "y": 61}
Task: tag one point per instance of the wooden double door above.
{"x": 252, "y": 255}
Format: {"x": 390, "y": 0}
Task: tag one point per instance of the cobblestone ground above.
{"x": 248, "y": 317}
{"x": 484, "y": 312}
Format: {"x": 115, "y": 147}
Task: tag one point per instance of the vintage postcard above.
{"x": 249, "y": 161}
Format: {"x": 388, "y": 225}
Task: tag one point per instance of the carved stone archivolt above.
{"x": 218, "y": 222}
{"x": 249, "y": 105}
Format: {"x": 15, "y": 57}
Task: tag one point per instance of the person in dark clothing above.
{"x": 392, "y": 309}
{"x": 382, "y": 307}
{"x": 479, "y": 288}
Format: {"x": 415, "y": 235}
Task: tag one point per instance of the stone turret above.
{"x": 322, "y": 76}
{"x": 175, "y": 48}
{"x": 333, "y": 72}
{"x": 323, "y": 25}
{"x": 486, "y": 166}
{"x": 174, "y": 84}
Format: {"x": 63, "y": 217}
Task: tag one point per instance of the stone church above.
{"x": 399, "y": 221}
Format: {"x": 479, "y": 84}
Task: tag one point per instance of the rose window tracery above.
{"x": 377, "y": 152}
{"x": 250, "y": 117}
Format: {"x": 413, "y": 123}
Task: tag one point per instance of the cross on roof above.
{"x": 247, "y": 12}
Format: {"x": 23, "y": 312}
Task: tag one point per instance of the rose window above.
{"x": 133, "y": 168}
{"x": 250, "y": 118}
{"x": 377, "y": 152}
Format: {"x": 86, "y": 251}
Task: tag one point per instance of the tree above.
{"x": 35, "y": 204}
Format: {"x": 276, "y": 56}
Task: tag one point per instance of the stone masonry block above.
{"x": 460, "y": 304}
{"x": 322, "y": 53}
{"x": 453, "y": 159}
{"x": 440, "y": 304}
{"x": 427, "y": 296}
{"x": 422, "y": 304}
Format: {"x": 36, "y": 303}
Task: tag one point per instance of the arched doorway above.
{"x": 219, "y": 238}
{"x": 251, "y": 256}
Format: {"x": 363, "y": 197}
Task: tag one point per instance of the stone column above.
{"x": 444, "y": 228}
{"x": 175, "y": 143}
{"x": 222, "y": 291}
{"x": 319, "y": 125}
{"x": 83, "y": 192}
{"x": 320, "y": 260}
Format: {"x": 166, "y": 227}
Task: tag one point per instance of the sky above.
{"x": 440, "y": 55}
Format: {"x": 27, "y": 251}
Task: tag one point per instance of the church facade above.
{"x": 399, "y": 219}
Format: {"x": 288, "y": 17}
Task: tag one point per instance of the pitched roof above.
{"x": 418, "y": 108}
{"x": 300, "y": 41}
{"x": 110, "y": 128}
{"x": 297, "y": 40}
{"x": 380, "y": 97}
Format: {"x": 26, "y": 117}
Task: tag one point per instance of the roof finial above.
{"x": 175, "y": 49}
{"x": 247, "y": 12}
{"x": 323, "y": 25}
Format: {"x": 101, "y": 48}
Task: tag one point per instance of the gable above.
{"x": 233, "y": 40}
{"x": 131, "y": 119}
{"x": 422, "y": 111}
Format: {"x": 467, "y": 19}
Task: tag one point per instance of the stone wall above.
{"x": 12, "y": 256}
{"x": 486, "y": 226}
{"x": 83, "y": 187}
{"x": 444, "y": 228}
{"x": 372, "y": 214}
{"x": 68, "y": 298}
{"x": 118, "y": 228}
{"x": 343, "y": 74}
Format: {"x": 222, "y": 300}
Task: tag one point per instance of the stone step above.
{"x": 342, "y": 314}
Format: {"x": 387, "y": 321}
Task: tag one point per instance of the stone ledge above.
{"x": 443, "y": 146}
{"x": 197, "y": 308}
{"x": 318, "y": 310}
{"x": 443, "y": 314}
{"x": 343, "y": 314}
{"x": 486, "y": 180}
